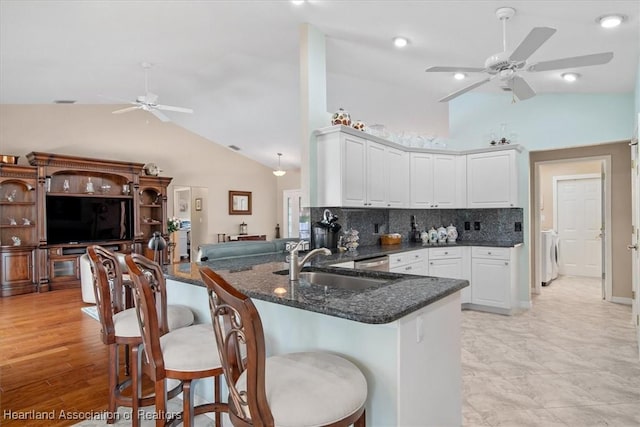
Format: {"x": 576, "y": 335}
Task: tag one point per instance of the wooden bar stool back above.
{"x": 296, "y": 389}
{"x": 120, "y": 329}
{"x": 185, "y": 354}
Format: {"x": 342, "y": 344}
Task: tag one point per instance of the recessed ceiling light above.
{"x": 400, "y": 41}
{"x": 297, "y": 2}
{"x": 570, "y": 77}
{"x": 610, "y": 21}
{"x": 459, "y": 76}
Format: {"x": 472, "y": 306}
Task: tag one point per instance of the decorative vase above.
{"x": 452, "y": 234}
{"x": 442, "y": 235}
{"x": 433, "y": 235}
{"x": 341, "y": 117}
{"x": 359, "y": 125}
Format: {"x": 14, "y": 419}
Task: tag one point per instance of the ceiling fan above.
{"x": 149, "y": 101}
{"x": 506, "y": 65}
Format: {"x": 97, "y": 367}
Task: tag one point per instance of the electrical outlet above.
{"x": 518, "y": 226}
{"x": 467, "y": 225}
{"x": 476, "y": 225}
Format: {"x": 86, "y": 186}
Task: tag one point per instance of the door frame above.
{"x": 606, "y": 189}
{"x": 286, "y": 194}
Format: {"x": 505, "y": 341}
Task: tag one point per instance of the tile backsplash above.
{"x": 499, "y": 224}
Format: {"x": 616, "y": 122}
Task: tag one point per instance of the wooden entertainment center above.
{"x": 52, "y": 210}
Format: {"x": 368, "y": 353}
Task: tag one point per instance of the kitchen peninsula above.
{"x": 404, "y": 333}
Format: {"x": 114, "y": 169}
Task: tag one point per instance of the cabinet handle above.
{"x": 506, "y": 263}
{"x": 431, "y": 263}
{"x": 435, "y": 206}
{"x": 488, "y": 253}
{"x": 408, "y": 268}
{"x": 446, "y": 253}
{"x": 388, "y": 204}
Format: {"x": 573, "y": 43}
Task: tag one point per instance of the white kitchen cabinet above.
{"x": 454, "y": 263}
{"x": 355, "y": 172}
{"x": 437, "y": 181}
{"x": 493, "y": 276}
{"x": 411, "y": 262}
{"x": 397, "y": 167}
{"x": 492, "y": 180}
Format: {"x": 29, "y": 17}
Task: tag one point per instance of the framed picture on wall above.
{"x": 239, "y": 203}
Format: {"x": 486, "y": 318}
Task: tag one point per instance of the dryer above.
{"x": 549, "y": 256}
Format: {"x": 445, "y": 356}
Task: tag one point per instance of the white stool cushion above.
{"x": 126, "y": 322}
{"x": 190, "y": 349}
{"x": 311, "y": 389}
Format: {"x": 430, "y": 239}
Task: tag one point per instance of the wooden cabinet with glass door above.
{"x": 18, "y": 236}
{"x": 152, "y": 216}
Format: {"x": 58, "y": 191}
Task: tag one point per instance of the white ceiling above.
{"x": 236, "y": 62}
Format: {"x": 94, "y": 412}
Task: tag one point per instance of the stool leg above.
{"x": 113, "y": 381}
{"x": 126, "y": 360}
{"x": 217, "y": 399}
{"x": 362, "y": 421}
{"x": 187, "y": 408}
{"x": 136, "y": 385}
{"x": 161, "y": 403}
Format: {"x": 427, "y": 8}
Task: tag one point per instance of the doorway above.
{"x": 573, "y": 198}
{"x": 190, "y": 206}
{"x": 291, "y": 202}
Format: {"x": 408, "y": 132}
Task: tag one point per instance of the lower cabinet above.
{"x": 454, "y": 263}
{"x": 17, "y": 271}
{"x": 493, "y": 274}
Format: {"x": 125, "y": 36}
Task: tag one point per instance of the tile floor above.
{"x": 572, "y": 360}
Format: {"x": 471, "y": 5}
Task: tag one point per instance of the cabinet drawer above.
{"x": 403, "y": 258}
{"x": 443, "y": 253}
{"x": 490, "y": 252}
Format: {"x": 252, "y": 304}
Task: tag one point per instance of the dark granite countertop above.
{"x": 402, "y": 294}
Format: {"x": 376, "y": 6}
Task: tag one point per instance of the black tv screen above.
{"x": 88, "y": 219}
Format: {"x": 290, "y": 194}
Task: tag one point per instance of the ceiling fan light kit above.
{"x": 459, "y": 76}
{"x": 610, "y": 21}
{"x": 508, "y": 65}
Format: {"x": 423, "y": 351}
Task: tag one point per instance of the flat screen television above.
{"x": 72, "y": 219}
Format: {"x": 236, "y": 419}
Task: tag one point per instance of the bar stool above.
{"x": 185, "y": 354}
{"x": 295, "y": 389}
{"x": 120, "y": 329}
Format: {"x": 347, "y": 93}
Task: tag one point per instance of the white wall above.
{"x": 92, "y": 131}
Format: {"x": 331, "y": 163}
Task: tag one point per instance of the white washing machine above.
{"x": 549, "y": 256}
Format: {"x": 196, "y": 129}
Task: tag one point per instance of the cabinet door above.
{"x": 421, "y": 180}
{"x": 491, "y": 282}
{"x": 398, "y": 178}
{"x": 354, "y": 183}
{"x": 376, "y": 175}
{"x": 492, "y": 180}
{"x": 445, "y": 188}
{"x": 17, "y": 268}
{"x": 451, "y": 268}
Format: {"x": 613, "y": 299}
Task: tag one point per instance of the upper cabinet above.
{"x": 437, "y": 181}
{"x": 355, "y": 169}
{"x": 18, "y": 209}
{"x": 492, "y": 179}
{"x": 355, "y": 172}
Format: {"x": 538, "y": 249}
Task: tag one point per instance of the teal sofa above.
{"x": 213, "y": 251}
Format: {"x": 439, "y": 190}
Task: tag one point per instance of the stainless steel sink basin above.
{"x": 340, "y": 281}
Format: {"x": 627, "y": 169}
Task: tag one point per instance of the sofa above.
{"x": 213, "y": 251}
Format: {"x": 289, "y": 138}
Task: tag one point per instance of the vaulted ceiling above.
{"x": 236, "y": 62}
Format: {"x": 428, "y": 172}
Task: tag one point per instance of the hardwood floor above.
{"x": 52, "y": 359}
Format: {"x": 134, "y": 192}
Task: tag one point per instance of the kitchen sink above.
{"x": 353, "y": 283}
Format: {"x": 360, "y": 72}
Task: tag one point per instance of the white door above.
{"x": 579, "y": 221}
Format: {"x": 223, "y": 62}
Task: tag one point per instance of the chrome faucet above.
{"x": 296, "y": 265}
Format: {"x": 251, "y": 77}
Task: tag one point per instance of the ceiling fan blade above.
{"x": 521, "y": 88}
{"x": 573, "y": 62}
{"x": 159, "y": 115}
{"x": 126, "y": 110}
{"x": 176, "y": 109}
{"x": 531, "y": 43}
{"x": 454, "y": 69}
{"x": 465, "y": 89}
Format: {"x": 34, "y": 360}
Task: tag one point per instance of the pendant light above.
{"x": 279, "y": 171}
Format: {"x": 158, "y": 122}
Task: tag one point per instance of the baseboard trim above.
{"x": 621, "y": 300}
{"x": 526, "y": 305}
